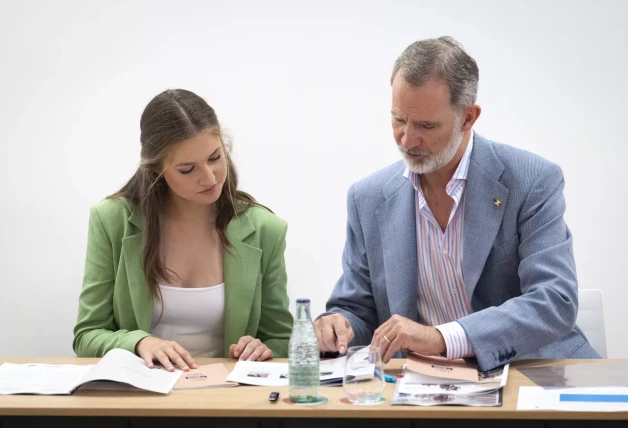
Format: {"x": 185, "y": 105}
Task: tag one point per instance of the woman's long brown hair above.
{"x": 171, "y": 117}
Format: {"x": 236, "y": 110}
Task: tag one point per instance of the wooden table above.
{"x": 249, "y": 406}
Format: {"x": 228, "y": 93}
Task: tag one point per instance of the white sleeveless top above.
{"x": 192, "y": 317}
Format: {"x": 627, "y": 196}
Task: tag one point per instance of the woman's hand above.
{"x": 250, "y": 349}
{"x": 166, "y": 352}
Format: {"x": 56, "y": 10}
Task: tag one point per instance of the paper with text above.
{"x": 207, "y": 376}
{"x": 442, "y": 367}
{"x": 40, "y": 378}
{"x": 573, "y": 399}
{"x": 122, "y": 366}
{"x": 276, "y": 374}
{"x": 118, "y": 365}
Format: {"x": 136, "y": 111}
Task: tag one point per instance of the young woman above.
{"x": 180, "y": 263}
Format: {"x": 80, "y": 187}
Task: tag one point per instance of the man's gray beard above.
{"x": 431, "y": 162}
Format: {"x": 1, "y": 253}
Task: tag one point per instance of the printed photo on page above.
{"x": 491, "y": 399}
{"x": 276, "y": 374}
{"x": 411, "y": 390}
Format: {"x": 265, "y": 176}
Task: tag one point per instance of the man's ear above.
{"x": 470, "y": 115}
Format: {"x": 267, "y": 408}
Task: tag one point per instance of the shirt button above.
{"x": 445, "y": 252}
{"x": 454, "y": 291}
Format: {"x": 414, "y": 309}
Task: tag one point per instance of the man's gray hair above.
{"x": 445, "y": 59}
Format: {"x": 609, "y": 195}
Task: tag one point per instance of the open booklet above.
{"x": 431, "y": 381}
{"x": 118, "y": 365}
{"x": 276, "y": 374}
{"x": 439, "y": 370}
{"x": 203, "y": 377}
{"x": 208, "y": 376}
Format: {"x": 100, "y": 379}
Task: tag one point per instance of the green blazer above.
{"x": 116, "y": 307}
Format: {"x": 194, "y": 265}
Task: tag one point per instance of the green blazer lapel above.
{"x": 141, "y": 299}
{"x": 241, "y": 266}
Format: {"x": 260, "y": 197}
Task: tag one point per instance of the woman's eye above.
{"x": 214, "y": 159}
{"x": 186, "y": 171}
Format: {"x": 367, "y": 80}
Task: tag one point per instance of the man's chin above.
{"x": 418, "y": 167}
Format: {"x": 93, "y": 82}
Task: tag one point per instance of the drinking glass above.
{"x": 363, "y": 380}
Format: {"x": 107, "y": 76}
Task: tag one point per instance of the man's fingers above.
{"x": 341, "y": 330}
{"x": 384, "y": 340}
{"x": 377, "y": 336}
{"x": 329, "y": 337}
{"x": 318, "y": 325}
{"x": 379, "y": 333}
{"x": 391, "y": 349}
{"x": 380, "y": 328}
{"x": 350, "y": 334}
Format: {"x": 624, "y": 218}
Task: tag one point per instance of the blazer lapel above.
{"x": 141, "y": 299}
{"x": 485, "y": 203}
{"x": 241, "y": 265}
{"x": 397, "y": 225}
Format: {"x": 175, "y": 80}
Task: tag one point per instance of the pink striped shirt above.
{"x": 441, "y": 292}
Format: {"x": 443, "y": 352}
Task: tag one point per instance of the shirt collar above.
{"x": 463, "y": 166}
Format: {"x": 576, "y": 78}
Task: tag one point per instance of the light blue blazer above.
{"x": 518, "y": 264}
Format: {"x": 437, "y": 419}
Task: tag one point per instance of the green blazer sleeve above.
{"x": 275, "y": 325}
{"x": 96, "y": 331}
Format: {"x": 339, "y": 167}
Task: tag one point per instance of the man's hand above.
{"x": 401, "y": 334}
{"x": 333, "y": 333}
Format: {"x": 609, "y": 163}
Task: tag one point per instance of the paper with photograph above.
{"x": 491, "y": 399}
{"x": 420, "y": 390}
{"x": 276, "y": 374}
{"x": 416, "y": 383}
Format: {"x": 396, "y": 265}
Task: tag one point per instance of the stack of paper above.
{"x": 431, "y": 381}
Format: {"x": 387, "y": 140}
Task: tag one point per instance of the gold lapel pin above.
{"x": 497, "y": 202}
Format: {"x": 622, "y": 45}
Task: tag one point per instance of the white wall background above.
{"x": 304, "y": 89}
